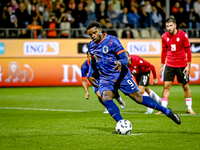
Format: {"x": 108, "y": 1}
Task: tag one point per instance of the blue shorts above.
{"x": 127, "y": 86}
{"x": 95, "y": 88}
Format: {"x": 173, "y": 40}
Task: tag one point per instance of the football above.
{"x": 123, "y": 127}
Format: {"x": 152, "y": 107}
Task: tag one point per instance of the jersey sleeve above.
{"x": 84, "y": 70}
{"x": 164, "y": 50}
{"x": 117, "y": 46}
{"x": 187, "y": 47}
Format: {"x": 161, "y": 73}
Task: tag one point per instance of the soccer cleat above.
{"x": 121, "y": 103}
{"x": 174, "y": 117}
{"x": 106, "y": 111}
{"x": 190, "y": 111}
{"x": 149, "y": 111}
{"x": 159, "y": 113}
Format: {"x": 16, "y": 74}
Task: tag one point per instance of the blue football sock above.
{"x": 149, "y": 102}
{"x": 113, "y": 110}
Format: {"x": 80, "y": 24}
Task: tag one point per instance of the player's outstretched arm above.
{"x": 85, "y": 86}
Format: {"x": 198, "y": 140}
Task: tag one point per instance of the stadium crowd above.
{"x": 61, "y": 18}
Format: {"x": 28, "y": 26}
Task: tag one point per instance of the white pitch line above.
{"x": 43, "y": 109}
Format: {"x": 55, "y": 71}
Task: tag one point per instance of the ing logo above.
{"x": 16, "y": 74}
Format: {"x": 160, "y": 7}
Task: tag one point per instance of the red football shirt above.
{"x": 175, "y": 48}
{"x": 140, "y": 65}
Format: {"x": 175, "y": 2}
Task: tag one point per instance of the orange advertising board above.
{"x": 61, "y": 71}
{"x": 59, "y": 48}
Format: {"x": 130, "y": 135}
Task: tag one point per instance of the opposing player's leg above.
{"x": 143, "y": 83}
{"x": 153, "y": 95}
{"x": 187, "y": 93}
{"x": 119, "y": 100}
{"x": 169, "y": 74}
{"x": 129, "y": 88}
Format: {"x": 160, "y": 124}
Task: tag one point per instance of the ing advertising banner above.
{"x": 62, "y": 71}
{"x": 59, "y": 48}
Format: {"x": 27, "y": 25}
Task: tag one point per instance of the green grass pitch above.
{"x": 60, "y": 118}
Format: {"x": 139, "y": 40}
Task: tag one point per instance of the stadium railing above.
{"x": 150, "y": 33}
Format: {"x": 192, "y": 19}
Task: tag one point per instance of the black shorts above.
{"x": 170, "y": 73}
{"x": 143, "y": 79}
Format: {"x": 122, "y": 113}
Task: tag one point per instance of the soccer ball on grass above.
{"x": 123, "y": 127}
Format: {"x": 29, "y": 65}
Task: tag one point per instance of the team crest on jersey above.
{"x": 141, "y": 61}
{"x": 167, "y": 39}
{"x": 105, "y": 49}
{"x": 178, "y": 39}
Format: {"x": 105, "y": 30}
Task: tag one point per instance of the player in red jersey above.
{"x": 175, "y": 46}
{"x": 140, "y": 69}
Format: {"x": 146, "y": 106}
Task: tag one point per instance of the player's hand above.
{"x": 161, "y": 71}
{"x": 155, "y": 81}
{"x": 118, "y": 66}
{"x": 87, "y": 95}
{"x": 186, "y": 71}
{"x": 92, "y": 81}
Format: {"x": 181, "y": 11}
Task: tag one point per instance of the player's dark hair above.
{"x": 93, "y": 24}
{"x": 171, "y": 19}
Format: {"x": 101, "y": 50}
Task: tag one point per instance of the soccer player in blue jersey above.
{"x": 109, "y": 58}
{"x": 84, "y": 72}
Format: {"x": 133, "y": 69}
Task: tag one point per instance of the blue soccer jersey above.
{"x": 105, "y": 54}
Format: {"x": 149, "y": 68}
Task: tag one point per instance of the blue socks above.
{"x": 113, "y": 110}
{"x": 149, "y": 102}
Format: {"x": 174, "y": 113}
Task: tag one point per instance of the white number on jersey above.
{"x": 173, "y": 47}
{"x": 131, "y": 83}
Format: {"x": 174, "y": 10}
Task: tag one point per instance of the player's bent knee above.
{"x": 136, "y": 96}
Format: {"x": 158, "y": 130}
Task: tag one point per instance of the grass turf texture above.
{"x": 68, "y": 121}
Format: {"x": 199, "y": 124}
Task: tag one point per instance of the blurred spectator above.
{"x": 160, "y": 10}
{"x": 22, "y": 15}
{"x": 33, "y": 5}
{"x": 107, "y": 28}
{"x": 37, "y": 15}
{"x": 148, "y": 8}
{"x": 122, "y": 5}
{"x": 10, "y": 21}
{"x": 91, "y": 16}
{"x": 80, "y": 17}
{"x": 23, "y": 34}
{"x": 52, "y": 33}
{"x": 91, "y": 5}
{"x": 113, "y": 15}
{"x": 123, "y": 18}
{"x": 145, "y": 18}
{"x": 197, "y": 7}
{"x": 194, "y": 19}
{"x": 116, "y": 5}
{"x": 187, "y": 5}
{"x": 34, "y": 28}
{"x": 48, "y": 11}
{"x": 127, "y": 33}
{"x": 175, "y": 8}
{"x": 102, "y": 13}
{"x": 3, "y": 17}
{"x": 60, "y": 13}
{"x": 72, "y": 5}
{"x": 14, "y": 5}
{"x": 42, "y": 35}
{"x": 134, "y": 17}
{"x": 181, "y": 18}
{"x": 27, "y": 6}
{"x": 156, "y": 19}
